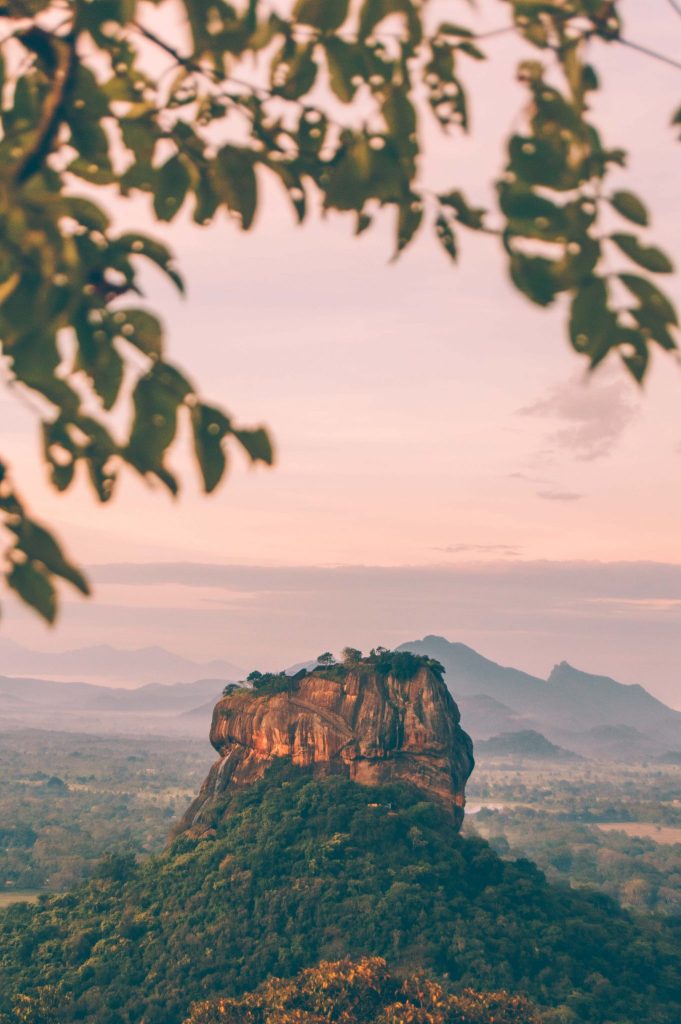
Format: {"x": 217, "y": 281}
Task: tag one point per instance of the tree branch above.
{"x": 64, "y": 73}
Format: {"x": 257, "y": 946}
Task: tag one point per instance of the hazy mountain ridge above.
{"x": 47, "y": 704}
{"x": 593, "y": 715}
{"x": 568, "y": 708}
{"x": 152, "y": 664}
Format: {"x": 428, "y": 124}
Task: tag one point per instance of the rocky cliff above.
{"x": 370, "y": 725}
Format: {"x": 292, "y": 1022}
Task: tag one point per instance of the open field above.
{"x": 644, "y": 830}
{"x": 28, "y": 896}
{"x": 595, "y": 825}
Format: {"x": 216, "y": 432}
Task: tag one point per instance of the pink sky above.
{"x": 424, "y": 416}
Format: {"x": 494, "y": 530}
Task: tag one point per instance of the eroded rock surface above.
{"x": 373, "y": 727}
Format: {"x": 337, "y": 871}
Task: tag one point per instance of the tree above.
{"x": 326, "y": 658}
{"x": 45, "y": 1008}
{"x": 331, "y": 113}
{"x": 363, "y": 992}
{"x": 351, "y": 655}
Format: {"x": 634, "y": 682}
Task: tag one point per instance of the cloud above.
{"x": 530, "y": 478}
{"x": 592, "y": 416}
{"x": 559, "y": 495}
{"x": 504, "y": 550}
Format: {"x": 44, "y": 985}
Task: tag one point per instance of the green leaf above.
{"x": 400, "y": 119}
{"x": 630, "y": 206}
{"x": 156, "y": 398}
{"x": 654, "y": 328}
{"x": 172, "y": 182}
{"x": 648, "y": 257}
{"x": 543, "y": 161}
{"x": 446, "y": 236}
{"x": 636, "y": 354}
{"x": 235, "y": 182}
{"x": 650, "y": 297}
{"x": 593, "y": 328}
{"x": 470, "y": 216}
{"x": 409, "y": 220}
{"x": 99, "y": 359}
{"x": 533, "y": 275}
{"x": 257, "y": 443}
{"x": 143, "y": 330}
{"x": 91, "y": 171}
{"x": 151, "y": 249}
{"x": 344, "y": 64}
{"x": 374, "y": 11}
{"x": 59, "y": 451}
{"x": 300, "y": 71}
{"x": 210, "y": 426}
{"x": 140, "y": 135}
{"x": 34, "y": 587}
{"x": 327, "y": 15}
{"x": 87, "y": 213}
{"x": 41, "y": 546}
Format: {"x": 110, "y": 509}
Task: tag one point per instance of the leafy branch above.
{"x": 333, "y": 104}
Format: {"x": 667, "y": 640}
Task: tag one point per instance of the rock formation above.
{"x": 372, "y": 726}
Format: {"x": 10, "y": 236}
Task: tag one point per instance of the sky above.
{"x": 444, "y": 464}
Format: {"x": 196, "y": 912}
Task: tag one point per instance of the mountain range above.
{"x": 104, "y": 663}
{"x": 592, "y": 715}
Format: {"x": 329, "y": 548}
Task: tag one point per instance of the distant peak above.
{"x": 432, "y": 638}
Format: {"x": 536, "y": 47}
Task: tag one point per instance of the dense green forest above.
{"x": 298, "y": 870}
{"x": 571, "y": 819}
{"x": 68, "y": 799}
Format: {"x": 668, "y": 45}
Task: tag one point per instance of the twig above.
{"x": 650, "y": 53}
{"x": 48, "y": 126}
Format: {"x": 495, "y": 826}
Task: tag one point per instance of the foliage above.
{"x": 403, "y": 664}
{"x": 43, "y": 1008}
{"x": 551, "y": 813}
{"x": 120, "y": 799}
{"x": 326, "y": 659}
{"x": 299, "y": 870}
{"x": 322, "y": 98}
{"x": 362, "y": 992}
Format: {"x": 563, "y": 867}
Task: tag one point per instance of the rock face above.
{"x": 372, "y": 727}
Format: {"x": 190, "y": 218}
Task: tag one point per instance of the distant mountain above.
{"x": 670, "y": 757}
{"x": 42, "y": 703}
{"x": 203, "y": 711}
{"x": 618, "y": 742}
{"x": 116, "y": 664}
{"x": 526, "y": 743}
{"x": 566, "y": 708}
{"x": 485, "y": 717}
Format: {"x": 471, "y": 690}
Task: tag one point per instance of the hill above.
{"x": 300, "y": 868}
{"x": 564, "y": 707}
{"x": 526, "y": 743}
